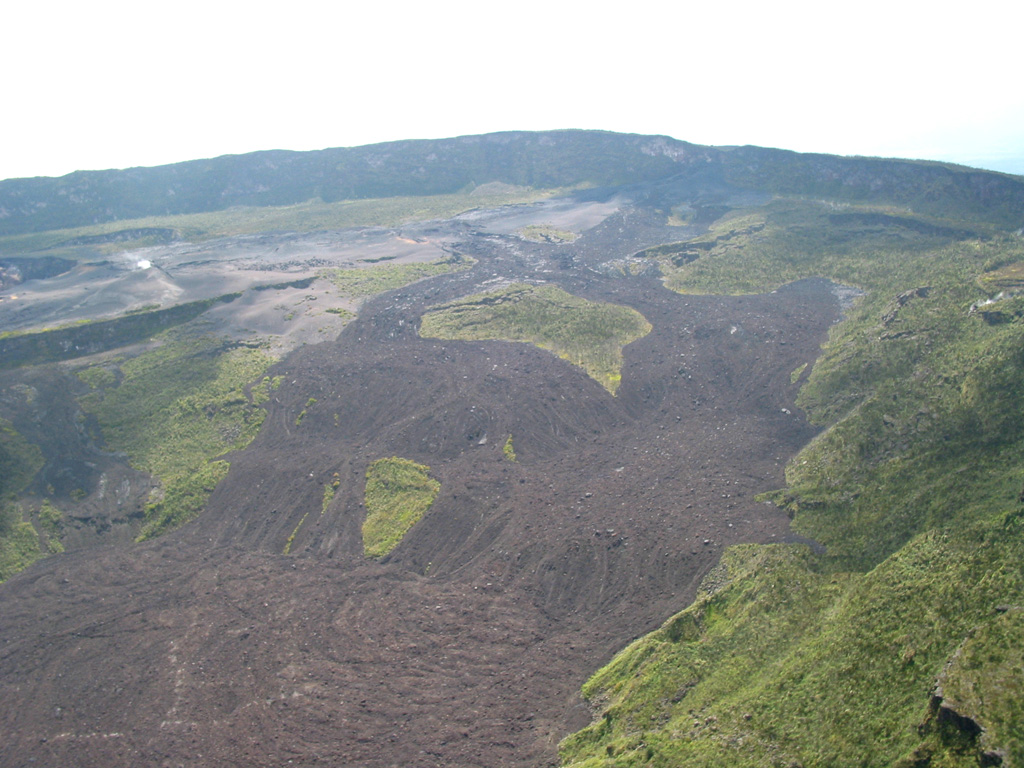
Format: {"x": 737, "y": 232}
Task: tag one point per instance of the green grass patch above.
{"x": 761, "y": 250}
{"x": 302, "y": 414}
{"x": 1006, "y": 277}
{"x": 681, "y": 215}
{"x": 19, "y": 460}
{"x": 369, "y": 281}
{"x": 508, "y": 451}
{"x": 797, "y": 372}
{"x": 177, "y": 409}
{"x": 291, "y": 538}
{"x": 344, "y": 314}
{"x": 260, "y": 393}
{"x": 329, "y": 490}
{"x": 398, "y": 494}
{"x": 544, "y": 233}
{"x": 588, "y": 334}
{"x": 97, "y": 376}
{"x": 51, "y": 523}
{"x": 985, "y": 682}
{"x": 20, "y": 545}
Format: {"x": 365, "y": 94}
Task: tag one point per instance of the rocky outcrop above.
{"x": 901, "y": 301}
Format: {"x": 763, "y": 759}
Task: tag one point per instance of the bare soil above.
{"x": 468, "y": 645}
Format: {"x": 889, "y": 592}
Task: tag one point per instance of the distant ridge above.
{"x": 535, "y": 159}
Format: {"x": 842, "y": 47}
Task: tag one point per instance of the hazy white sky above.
{"x": 109, "y": 84}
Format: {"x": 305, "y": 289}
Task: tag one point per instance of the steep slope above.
{"x": 847, "y": 656}
{"x": 540, "y": 160}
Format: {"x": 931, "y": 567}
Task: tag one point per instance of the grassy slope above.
{"x": 588, "y": 334}
{"x": 176, "y": 409}
{"x": 797, "y": 659}
{"x": 398, "y": 494}
{"x": 786, "y": 665}
{"x": 20, "y": 543}
{"x": 19, "y": 460}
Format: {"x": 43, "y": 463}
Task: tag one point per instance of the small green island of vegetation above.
{"x": 588, "y": 334}
{"x": 398, "y": 493}
{"x": 369, "y": 281}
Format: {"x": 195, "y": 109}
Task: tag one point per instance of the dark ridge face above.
{"x": 82, "y": 340}
{"x": 933, "y": 188}
{"x": 14, "y": 271}
{"x": 539, "y": 160}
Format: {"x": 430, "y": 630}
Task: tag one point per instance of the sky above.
{"x": 119, "y": 84}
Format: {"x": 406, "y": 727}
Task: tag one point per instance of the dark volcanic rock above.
{"x": 468, "y": 644}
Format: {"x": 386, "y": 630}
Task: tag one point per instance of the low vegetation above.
{"x": 20, "y": 543}
{"x": 291, "y": 537}
{"x": 398, "y": 494}
{"x": 260, "y": 393}
{"x": 19, "y": 460}
{"x": 97, "y": 376}
{"x": 176, "y": 409}
{"x": 51, "y": 525}
{"x": 914, "y": 488}
{"x": 544, "y": 233}
{"x": 302, "y": 414}
{"x": 588, "y": 334}
{"x": 369, "y": 281}
{"x": 508, "y": 451}
{"x": 329, "y": 490}
{"x": 779, "y": 664}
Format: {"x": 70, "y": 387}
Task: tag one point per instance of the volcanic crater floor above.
{"x": 467, "y": 646}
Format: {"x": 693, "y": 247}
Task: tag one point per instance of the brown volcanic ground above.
{"x": 468, "y": 645}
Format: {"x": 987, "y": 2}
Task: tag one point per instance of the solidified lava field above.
{"x": 467, "y": 645}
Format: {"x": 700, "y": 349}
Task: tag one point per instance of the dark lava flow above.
{"x": 468, "y": 645}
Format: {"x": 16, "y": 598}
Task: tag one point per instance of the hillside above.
{"x": 382, "y": 455}
{"x": 548, "y": 160}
